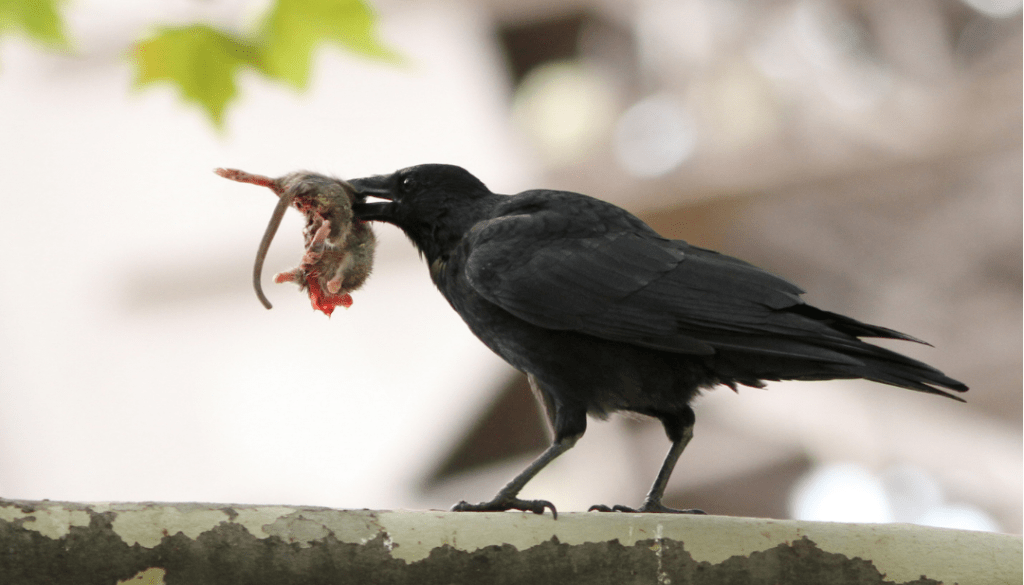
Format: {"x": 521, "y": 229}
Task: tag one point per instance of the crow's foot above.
{"x": 502, "y": 504}
{"x": 647, "y": 508}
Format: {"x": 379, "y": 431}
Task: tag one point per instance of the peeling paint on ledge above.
{"x": 659, "y": 549}
{"x": 150, "y": 576}
{"x": 55, "y": 522}
{"x": 148, "y": 526}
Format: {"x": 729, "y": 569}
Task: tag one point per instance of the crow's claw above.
{"x": 503, "y": 504}
{"x": 647, "y": 508}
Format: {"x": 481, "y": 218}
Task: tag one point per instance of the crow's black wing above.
{"x": 569, "y": 262}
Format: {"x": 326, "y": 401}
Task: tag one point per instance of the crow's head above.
{"x": 435, "y": 205}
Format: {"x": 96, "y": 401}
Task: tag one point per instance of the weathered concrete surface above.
{"x": 147, "y": 543}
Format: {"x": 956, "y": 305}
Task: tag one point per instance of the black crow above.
{"x": 603, "y": 314}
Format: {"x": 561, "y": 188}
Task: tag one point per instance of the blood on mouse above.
{"x": 339, "y": 249}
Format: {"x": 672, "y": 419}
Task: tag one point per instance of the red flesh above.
{"x": 307, "y": 274}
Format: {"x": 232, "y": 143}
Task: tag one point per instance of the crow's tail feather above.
{"x": 838, "y": 354}
{"x": 877, "y": 363}
{"x": 888, "y": 367}
{"x": 850, "y": 326}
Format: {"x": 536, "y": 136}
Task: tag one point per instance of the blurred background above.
{"x": 870, "y": 151}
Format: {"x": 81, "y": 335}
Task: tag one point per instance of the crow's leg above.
{"x": 568, "y": 423}
{"x": 680, "y": 430}
{"x": 506, "y": 498}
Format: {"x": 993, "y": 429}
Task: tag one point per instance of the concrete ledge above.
{"x": 62, "y": 542}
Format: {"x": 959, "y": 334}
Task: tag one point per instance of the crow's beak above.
{"x": 379, "y": 187}
{"x": 375, "y": 186}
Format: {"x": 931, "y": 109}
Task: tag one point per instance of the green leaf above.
{"x": 38, "y": 18}
{"x": 201, "y": 61}
{"x": 294, "y": 28}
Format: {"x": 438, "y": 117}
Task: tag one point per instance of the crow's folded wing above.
{"x": 613, "y": 281}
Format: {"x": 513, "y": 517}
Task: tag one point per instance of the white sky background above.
{"x": 137, "y": 364}
{"x": 135, "y": 360}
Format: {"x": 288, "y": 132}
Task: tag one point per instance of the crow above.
{"x": 604, "y": 315}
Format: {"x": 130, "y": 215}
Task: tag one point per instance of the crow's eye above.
{"x": 407, "y": 183}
